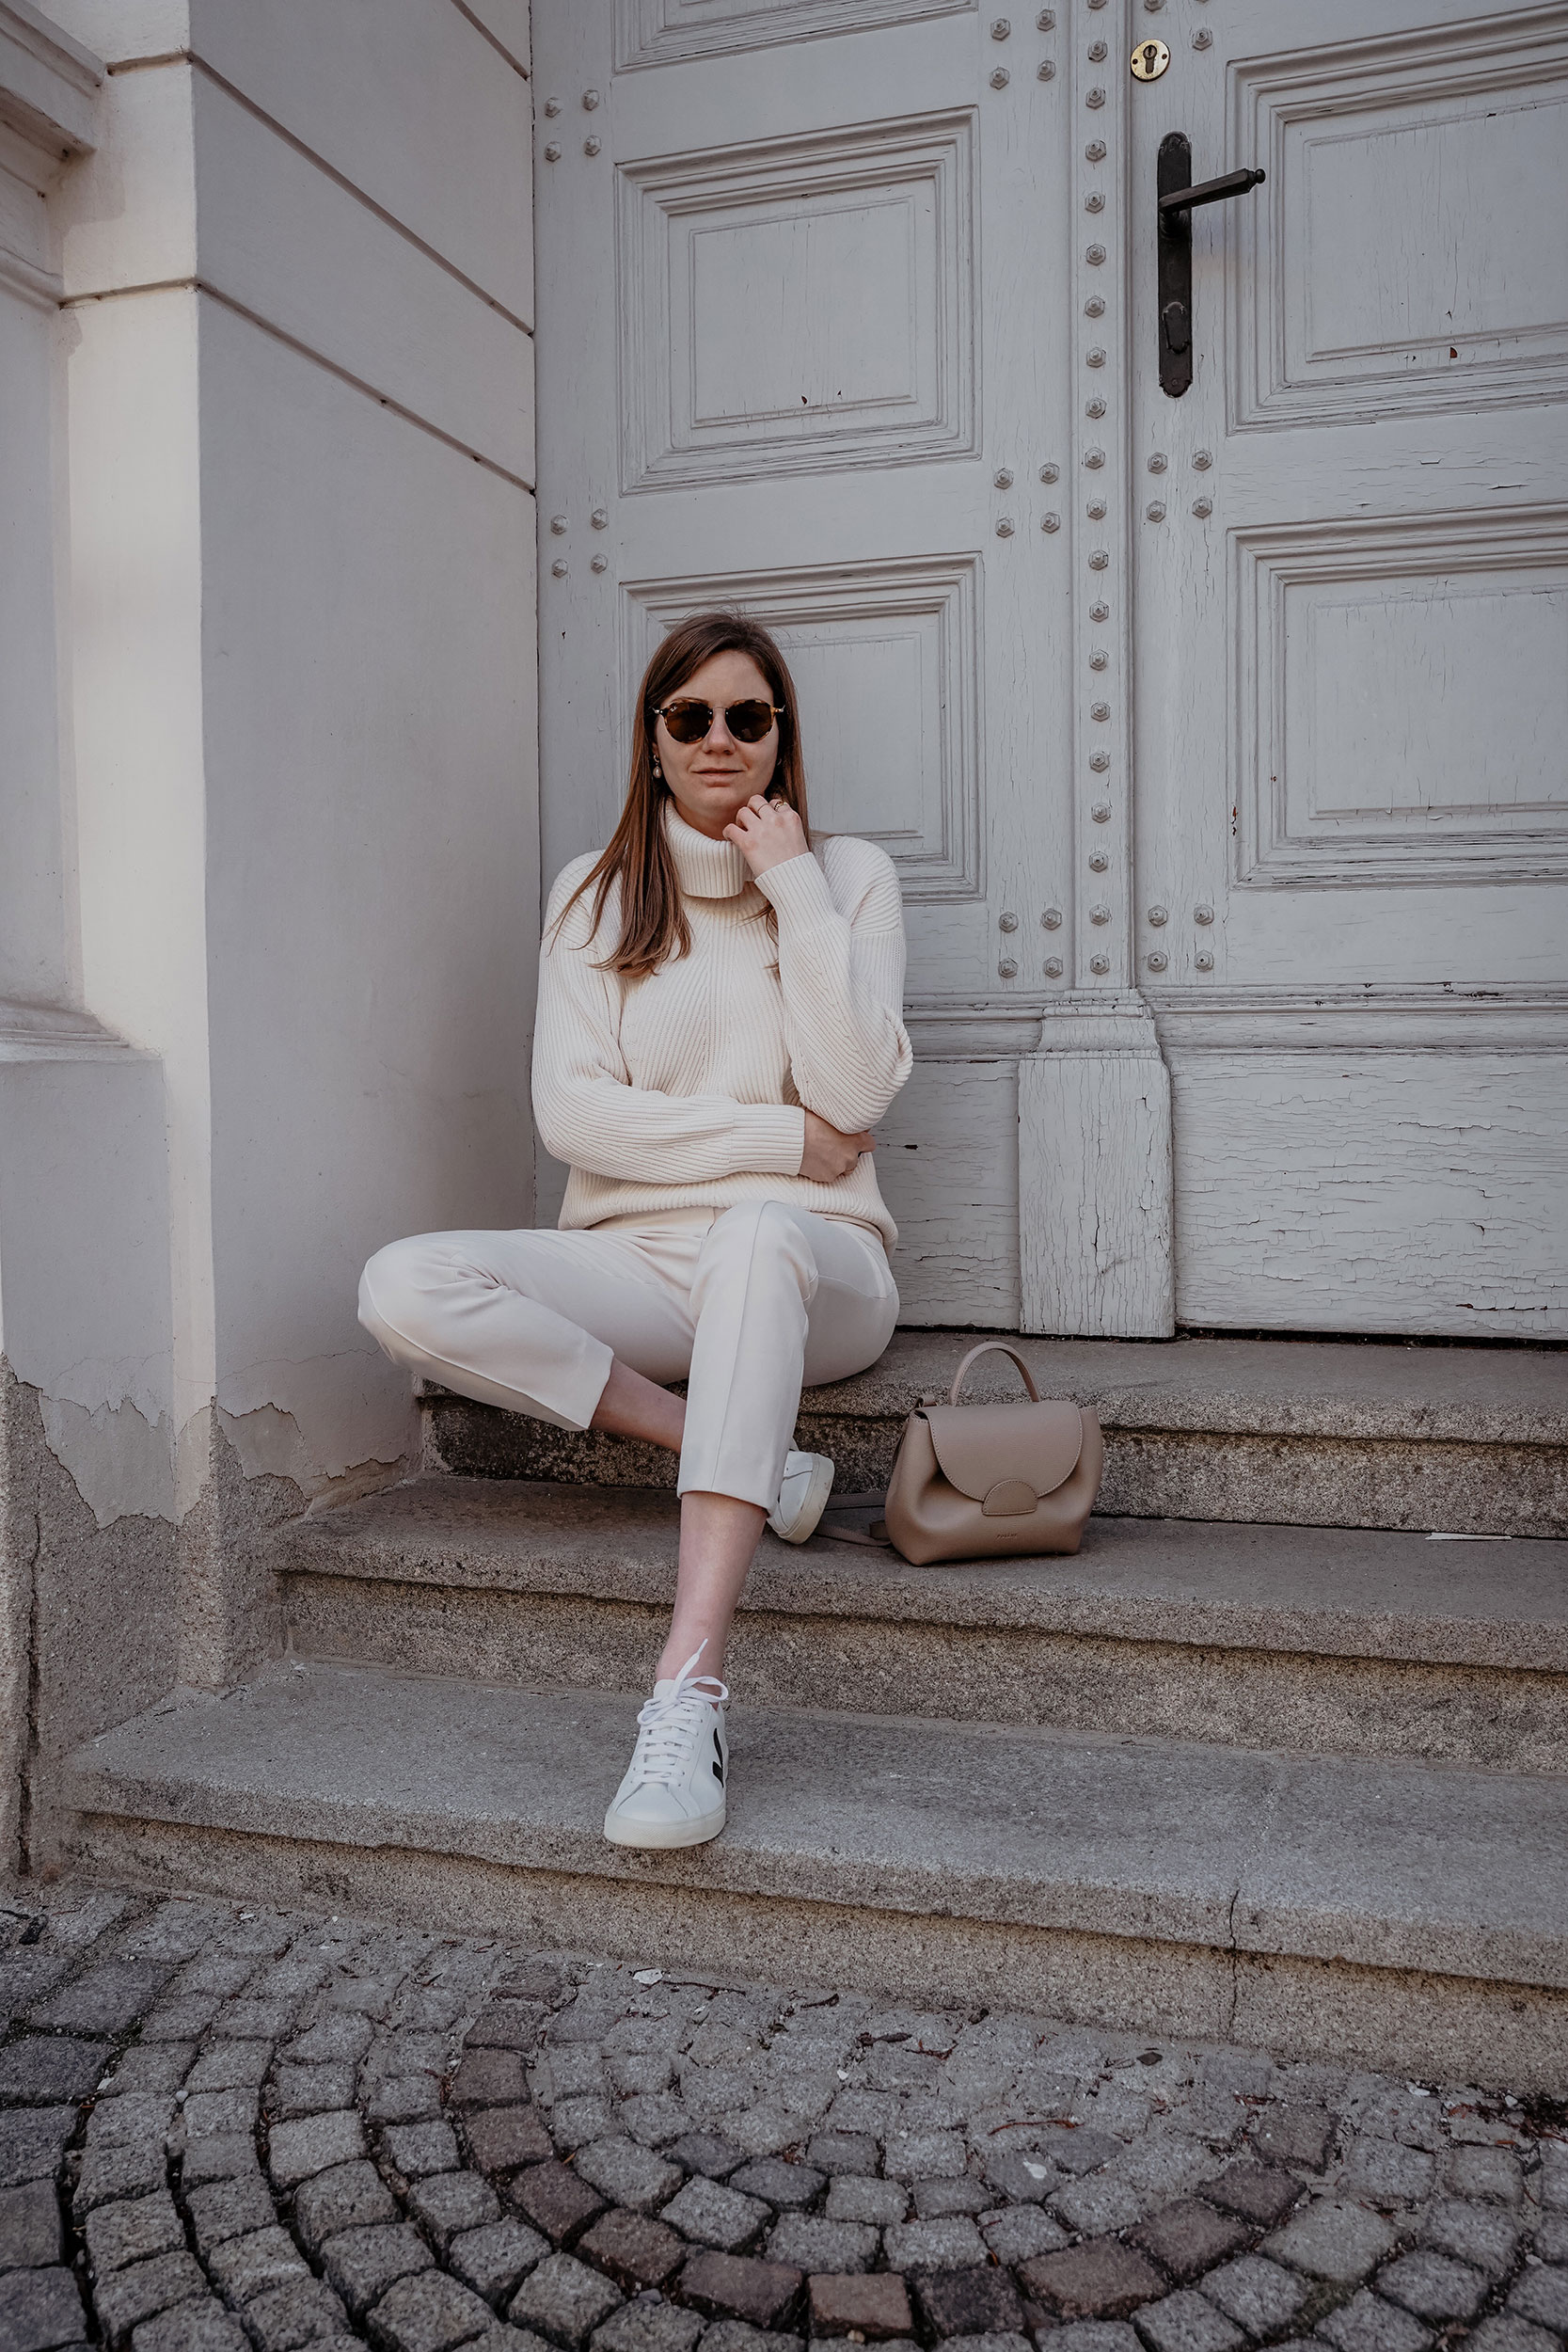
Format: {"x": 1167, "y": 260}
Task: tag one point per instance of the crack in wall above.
{"x": 30, "y": 1732}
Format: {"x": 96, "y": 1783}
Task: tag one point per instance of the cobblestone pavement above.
{"x": 226, "y": 2129}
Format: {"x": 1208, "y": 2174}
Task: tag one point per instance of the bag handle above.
{"x": 990, "y": 1347}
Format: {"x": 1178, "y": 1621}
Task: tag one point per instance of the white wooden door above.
{"x": 847, "y": 314}
{"x": 804, "y": 346}
{"x": 1351, "y": 642}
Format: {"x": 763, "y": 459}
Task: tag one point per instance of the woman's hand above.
{"x": 829, "y": 1156}
{"x": 767, "y": 833}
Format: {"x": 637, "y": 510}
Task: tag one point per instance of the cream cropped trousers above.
{"x": 746, "y": 1304}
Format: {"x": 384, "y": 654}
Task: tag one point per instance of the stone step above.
{"x": 1413, "y": 1916}
{"x": 1304, "y": 1432}
{"x": 1346, "y": 1642}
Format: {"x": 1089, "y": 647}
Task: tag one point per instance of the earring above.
{"x": 657, "y": 769}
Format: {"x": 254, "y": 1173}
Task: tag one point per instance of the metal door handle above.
{"x": 1178, "y": 195}
{"x": 1210, "y": 191}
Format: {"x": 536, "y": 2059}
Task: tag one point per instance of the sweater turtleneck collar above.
{"x": 704, "y": 868}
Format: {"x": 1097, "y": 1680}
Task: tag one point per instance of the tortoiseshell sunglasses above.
{"x": 689, "y": 721}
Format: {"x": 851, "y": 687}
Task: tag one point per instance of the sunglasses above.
{"x": 689, "y": 721}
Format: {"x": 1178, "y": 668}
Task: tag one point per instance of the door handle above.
{"x": 1178, "y": 196}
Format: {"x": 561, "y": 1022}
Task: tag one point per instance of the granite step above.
{"x": 1345, "y": 1642}
{"x": 1304, "y": 1432}
{"x": 1414, "y": 1917}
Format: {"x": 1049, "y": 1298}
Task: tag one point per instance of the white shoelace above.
{"x": 669, "y": 1723}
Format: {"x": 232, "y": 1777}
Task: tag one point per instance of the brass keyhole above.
{"x": 1149, "y": 61}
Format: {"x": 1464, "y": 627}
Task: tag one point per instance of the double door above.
{"x": 1214, "y": 737}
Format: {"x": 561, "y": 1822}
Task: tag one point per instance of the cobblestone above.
{"x": 651, "y": 2327}
{"x": 447, "y": 2203}
{"x": 435, "y": 2142}
{"x": 812, "y": 2242}
{"x": 946, "y": 2245}
{"x": 30, "y": 2143}
{"x": 1367, "y": 2324}
{"x": 564, "y": 2300}
{"x": 1187, "y": 2321}
{"x": 314, "y": 2143}
{"x": 39, "y": 2309}
{"x": 968, "y": 2303}
{"x": 734, "y": 2286}
{"x": 47, "y": 2069}
{"x": 1473, "y": 2234}
{"x": 555, "y": 2199}
{"x": 1259, "y": 2295}
{"x": 1190, "y": 2238}
{"x": 879, "y": 2201}
{"x": 30, "y": 2235}
{"x": 501, "y": 2138}
{"x": 784, "y": 2185}
{"x": 123, "y": 2297}
{"x": 494, "y": 2260}
{"x": 1097, "y": 2280}
{"x": 119, "y": 2235}
{"x": 362, "y": 2263}
{"x": 220, "y": 2210}
{"x": 711, "y": 2214}
{"x": 637, "y": 2253}
{"x": 627, "y": 2174}
{"x": 191, "y": 2328}
{"x": 1334, "y": 2240}
{"x": 1542, "y": 2296}
{"x": 245, "y": 2268}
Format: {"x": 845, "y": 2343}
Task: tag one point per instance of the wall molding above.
{"x": 1448, "y": 1020}
{"x": 49, "y": 87}
{"x": 1197, "y": 1020}
{"x": 652, "y": 32}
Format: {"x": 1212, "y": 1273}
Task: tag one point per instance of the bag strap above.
{"x": 837, "y": 1531}
{"x": 996, "y": 1347}
{"x": 876, "y": 1535}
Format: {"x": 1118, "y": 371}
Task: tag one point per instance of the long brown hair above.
{"x": 654, "y": 928}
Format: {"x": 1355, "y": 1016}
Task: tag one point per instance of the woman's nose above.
{"x": 719, "y": 735}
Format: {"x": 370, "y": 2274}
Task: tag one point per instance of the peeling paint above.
{"x": 270, "y": 1443}
{"x": 121, "y": 1463}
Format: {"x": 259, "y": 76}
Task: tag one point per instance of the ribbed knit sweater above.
{"x": 686, "y": 1089}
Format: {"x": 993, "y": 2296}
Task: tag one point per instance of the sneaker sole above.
{"x": 663, "y": 1836}
{"x": 806, "y": 1519}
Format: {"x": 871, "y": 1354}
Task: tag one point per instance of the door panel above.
{"x": 1352, "y": 647}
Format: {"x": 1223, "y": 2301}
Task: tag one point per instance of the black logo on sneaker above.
{"x": 718, "y": 1762}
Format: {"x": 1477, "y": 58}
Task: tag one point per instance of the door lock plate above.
{"x": 1149, "y": 61}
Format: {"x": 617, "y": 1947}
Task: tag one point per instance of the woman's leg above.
{"x": 631, "y": 1406}
{"x": 776, "y": 1291}
{"x": 540, "y": 1321}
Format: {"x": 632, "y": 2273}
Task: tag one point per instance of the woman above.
{"x": 718, "y": 1028}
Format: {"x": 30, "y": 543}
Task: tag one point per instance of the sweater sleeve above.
{"x": 842, "y": 977}
{"x": 587, "y": 1110}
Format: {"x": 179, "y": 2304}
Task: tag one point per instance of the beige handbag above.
{"x": 990, "y": 1482}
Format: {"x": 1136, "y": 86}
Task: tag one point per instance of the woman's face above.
{"x": 712, "y": 779}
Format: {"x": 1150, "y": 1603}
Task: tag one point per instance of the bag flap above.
{"x": 979, "y": 1445}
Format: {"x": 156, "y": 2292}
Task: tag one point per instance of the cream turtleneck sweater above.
{"x": 686, "y": 1089}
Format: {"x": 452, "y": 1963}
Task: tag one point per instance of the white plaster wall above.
{"x": 370, "y": 875}
{"x": 298, "y": 279}
{"x": 34, "y": 960}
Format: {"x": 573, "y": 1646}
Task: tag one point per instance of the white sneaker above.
{"x": 804, "y": 1491}
{"x": 673, "y": 1791}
